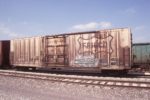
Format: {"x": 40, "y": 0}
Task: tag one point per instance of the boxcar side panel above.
{"x": 141, "y": 53}
{"x": 26, "y": 52}
{"x": 107, "y": 49}
{"x": 55, "y": 51}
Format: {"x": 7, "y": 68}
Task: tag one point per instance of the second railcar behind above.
{"x": 141, "y": 55}
{"x": 101, "y": 50}
{"x": 4, "y": 53}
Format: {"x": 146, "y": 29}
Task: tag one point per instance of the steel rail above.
{"x": 94, "y": 81}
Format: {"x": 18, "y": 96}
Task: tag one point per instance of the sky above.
{"x": 27, "y": 18}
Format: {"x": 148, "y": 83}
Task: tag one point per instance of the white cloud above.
{"x": 91, "y": 26}
{"x": 6, "y": 31}
{"x": 105, "y": 24}
{"x": 88, "y": 26}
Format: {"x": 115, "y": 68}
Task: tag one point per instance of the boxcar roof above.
{"x": 138, "y": 44}
{"x": 73, "y": 33}
{"x": 87, "y": 32}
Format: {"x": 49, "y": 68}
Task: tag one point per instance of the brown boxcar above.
{"x": 103, "y": 50}
{"x": 4, "y": 54}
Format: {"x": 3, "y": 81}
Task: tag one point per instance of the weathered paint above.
{"x": 104, "y": 49}
{"x": 85, "y": 61}
{"x": 109, "y": 49}
{"x": 141, "y": 53}
{"x": 55, "y": 50}
{"x": 26, "y": 52}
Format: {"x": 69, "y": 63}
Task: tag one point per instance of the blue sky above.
{"x": 26, "y": 18}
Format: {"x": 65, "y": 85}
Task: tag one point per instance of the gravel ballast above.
{"x": 15, "y": 88}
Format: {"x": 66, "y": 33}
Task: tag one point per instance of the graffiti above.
{"x": 86, "y": 61}
{"x": 96, "y": 43}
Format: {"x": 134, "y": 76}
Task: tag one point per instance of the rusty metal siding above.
{"x": 107, "y": 49}
{"x": 104, "y": 49}
{"x": 26, "y": 52}
{"x": 4, "y": 53}
{"x": 55, "y": 50}
{"x": 141, "y": 53}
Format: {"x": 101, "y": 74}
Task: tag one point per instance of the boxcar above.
{"x": 141, "y": 54}
{"x": 101, "y": 50}
{"x": 4, "y": 53}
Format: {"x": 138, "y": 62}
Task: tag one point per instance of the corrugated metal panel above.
{"x": 141, "y": 53}
{"x": 108, "y": 49}
{"x": 26, "y": 52}
{"x": 55, "y": 49}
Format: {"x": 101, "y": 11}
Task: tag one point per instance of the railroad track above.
{"x": 84, "y": 80}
